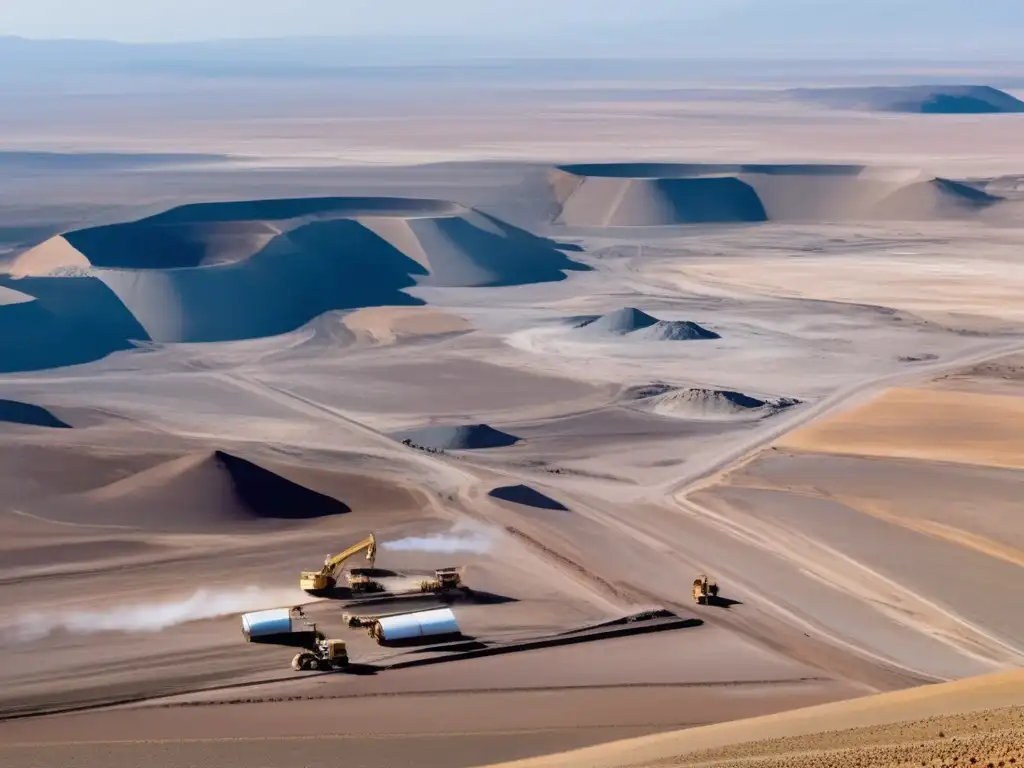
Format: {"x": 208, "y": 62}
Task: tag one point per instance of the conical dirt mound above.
{"x": 619, "y": 322}
{"x": 15, "y": 412}
{"x": 712, "y": 405}
{"x": 206, "y": 492}
{"x": 527, "y": 496}
{"x": 675, "y": 330}
{"x": 639, "y": 325}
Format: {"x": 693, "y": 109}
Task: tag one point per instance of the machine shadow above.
{"x": 722, "y": 602}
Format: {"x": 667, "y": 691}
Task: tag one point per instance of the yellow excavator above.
{"x": 326, "y": 579}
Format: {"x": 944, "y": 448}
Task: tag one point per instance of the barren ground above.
{"x": 861, "y": 522}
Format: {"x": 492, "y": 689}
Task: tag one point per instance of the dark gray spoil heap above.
{"x": 14, "y": 412}
{"x": 527, "y": 496}
{"x": 461, "y": 438}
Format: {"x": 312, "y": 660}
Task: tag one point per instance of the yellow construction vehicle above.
{"x": 355, "y": 620}
{"x": 362, "y": 580}
{"x": 704, "y": 592}
{"x": 445, "y": 579}
{"x": 326, "y": 579}
{"x": 323, "y": 655}
{"x": 291, "y": 627}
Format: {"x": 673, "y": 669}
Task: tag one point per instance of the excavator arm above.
{"x": 327, "y": 577}
{"x": 333, "y": 564}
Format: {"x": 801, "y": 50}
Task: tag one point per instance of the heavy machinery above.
{"x": 354, "y": 620}
{"x": 361, "y": 580}
{"x": 445, "y": 579}
{"x": 326, "y": 579}
{"x": 281, "y": 626}
{"x": 704, "y": 592}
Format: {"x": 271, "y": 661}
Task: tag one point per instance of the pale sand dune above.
{"x": 386, "y": 325}
{"x": 933, "y": 425}
{"x": 10, "y": 297}
{"x": 1004, "y": 689}
{"x": 54, "y": 255}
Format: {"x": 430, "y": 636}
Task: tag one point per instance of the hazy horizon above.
{"x": 946, "y": 29}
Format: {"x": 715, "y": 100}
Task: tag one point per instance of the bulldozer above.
{"x": 704, "y": 592}
{"x": 322, "y": 582}
{"x": 324, "y": 654}
{"x": 445, "y": 580}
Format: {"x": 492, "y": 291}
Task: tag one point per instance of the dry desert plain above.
{"x": 587, "y": 342}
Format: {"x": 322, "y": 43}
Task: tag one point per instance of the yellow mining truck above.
{"x": 444, "y": 580}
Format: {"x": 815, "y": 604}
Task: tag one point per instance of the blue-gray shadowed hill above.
{"x": 198, "y": 493}
{"x": 915, "y": 99}
{"x": 238, "y": 270}
{"x": 51, "y": 323}
{"x": 465, "y": 437}
{"x": 28, "y": 414}
{"x": 600, "y": 195}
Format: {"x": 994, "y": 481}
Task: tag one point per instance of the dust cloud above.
{"x": 151, "y": 617}
{"x": 463, "y": 537}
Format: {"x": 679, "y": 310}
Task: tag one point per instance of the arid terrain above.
{"x": 978, "y": 721}
{"x": 587, "y": 342}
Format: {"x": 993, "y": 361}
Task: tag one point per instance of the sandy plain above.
{"x": 189, "y": 474}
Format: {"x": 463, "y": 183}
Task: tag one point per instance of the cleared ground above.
{"x": 930, "y": 425}
{"x": 626, "y": 382}
{"x": 970, "y": 722}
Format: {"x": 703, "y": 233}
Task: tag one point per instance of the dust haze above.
{"x": 149, "y": 617}
{"x": 463, "y": 537}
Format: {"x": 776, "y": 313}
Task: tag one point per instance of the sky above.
{"x": 853, "y": 28}
{"x": 189, "y": 20}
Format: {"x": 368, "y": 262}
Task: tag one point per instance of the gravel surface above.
{"x": 989, "y": 738}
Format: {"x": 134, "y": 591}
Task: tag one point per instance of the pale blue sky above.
{"x": 179, "y": 20}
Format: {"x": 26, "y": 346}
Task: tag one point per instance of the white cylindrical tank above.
{"x": 407, "y": 626}
{"x": 276, "y": 621}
